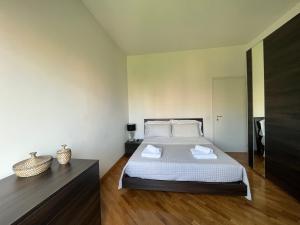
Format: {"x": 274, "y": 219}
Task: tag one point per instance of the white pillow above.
{"x": 158, "y": 122}
{"x": 199, "y": 124}
{"x": 185, "y": 130}
{"x": 158, "y": 130}
{"x": 184, "y": 121}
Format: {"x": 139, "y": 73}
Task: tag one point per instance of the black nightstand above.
{"x": 131, "y": 146}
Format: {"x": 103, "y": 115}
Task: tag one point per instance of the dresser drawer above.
{"x": 68, "y": 194}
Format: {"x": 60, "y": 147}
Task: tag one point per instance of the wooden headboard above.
{"x": 166, "y": 119}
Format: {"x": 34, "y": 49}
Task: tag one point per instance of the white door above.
{"x": 229, "y": 114}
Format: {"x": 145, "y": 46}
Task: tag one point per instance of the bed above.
{"x": 178, "y": 171}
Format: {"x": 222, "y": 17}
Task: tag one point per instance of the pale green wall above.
{"x": 278, "y": 23}
{"x": 62, "y": 80}
{"x": 179, "y": 84}
{"x": 258, "y": 80}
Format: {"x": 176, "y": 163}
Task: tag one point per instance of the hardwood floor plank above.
{"x": 270, "y": 204}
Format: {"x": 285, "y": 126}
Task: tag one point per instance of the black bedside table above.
{"x": 131, "y": 146}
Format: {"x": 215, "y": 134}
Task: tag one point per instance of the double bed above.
{"x": 177, "y": 170}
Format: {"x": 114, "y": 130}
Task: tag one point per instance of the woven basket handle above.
{"x": 33, "y": 154}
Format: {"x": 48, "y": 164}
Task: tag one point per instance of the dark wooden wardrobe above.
{"x": 282, "y": 106}
{"x": 250, "y": 107}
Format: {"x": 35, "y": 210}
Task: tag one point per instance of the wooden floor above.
{"x": 270, "y": 204}
{"x": 259, "y": 164}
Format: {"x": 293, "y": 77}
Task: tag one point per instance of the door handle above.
{"x": 218, "y": 117}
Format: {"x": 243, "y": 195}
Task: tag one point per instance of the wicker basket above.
{"x": 64, "y": 155}
{"x": 33, "y": 166}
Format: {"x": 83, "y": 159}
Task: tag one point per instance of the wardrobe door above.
{"x": 282, "y": 106}
{"x": 250, "y": 107}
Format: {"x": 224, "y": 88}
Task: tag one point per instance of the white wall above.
{"x": 62, "y": 80}
{"x": 179, "y": 84}
{"x": 258, "y": 82}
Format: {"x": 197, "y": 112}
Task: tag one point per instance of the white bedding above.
{"x": 178, "y": 164}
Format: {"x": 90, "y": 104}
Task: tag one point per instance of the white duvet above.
{"x": 178, "y": 164}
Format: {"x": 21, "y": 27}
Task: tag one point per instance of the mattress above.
{"x": 178, "y": 164}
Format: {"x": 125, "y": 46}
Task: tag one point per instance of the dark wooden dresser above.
{"x": 68, "y": 194}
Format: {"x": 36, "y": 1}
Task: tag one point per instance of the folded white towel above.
{"x": 203, "y": 156}
{"x": 202, "y": 150}
{"x": 152, "y": 149}
{"x": 151, "y": 155}
{"x": 151, "y": 152}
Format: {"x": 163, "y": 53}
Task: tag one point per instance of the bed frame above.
{"x": 228, "y": 188}
{"x": 232, "y": 188}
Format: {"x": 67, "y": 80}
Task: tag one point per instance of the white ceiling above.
{"x": 146, "y": 26}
